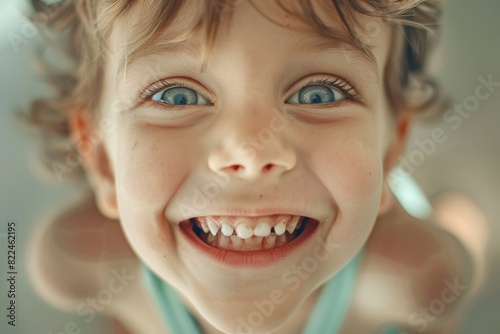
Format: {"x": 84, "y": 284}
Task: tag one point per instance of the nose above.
{"x": 253, "y": 147}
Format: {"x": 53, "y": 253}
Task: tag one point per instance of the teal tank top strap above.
{"x": 331, "y": 308}
{"x": 175, "y": 313}
{"x": 409, "y": 194}
{"x": 392, "y": 330}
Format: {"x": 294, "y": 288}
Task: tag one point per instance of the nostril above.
{"x": 268, "y": 167}
{"x": 236, "y": 168}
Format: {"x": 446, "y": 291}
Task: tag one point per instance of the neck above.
{"x": 295, "y": 324}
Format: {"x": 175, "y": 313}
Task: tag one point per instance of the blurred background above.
{"x": 467, "y": 162}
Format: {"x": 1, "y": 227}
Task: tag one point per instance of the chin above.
{"x": 262, "y": 313}
{"x": 253, "y": 322}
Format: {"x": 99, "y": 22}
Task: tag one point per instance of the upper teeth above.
{"x": 243, "y": 225}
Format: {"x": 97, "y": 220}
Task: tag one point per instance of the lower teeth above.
{"x": 254, "y": 243}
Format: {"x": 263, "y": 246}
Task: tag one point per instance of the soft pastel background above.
{"x": 469, "y": 160}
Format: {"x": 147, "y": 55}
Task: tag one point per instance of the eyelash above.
{"x": 147, "y": 94}
{"x": 337, "y": 83}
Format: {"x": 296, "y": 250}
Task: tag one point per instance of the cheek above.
{"x": 149, "y": 167}
{"x": 347, "y": 163}
{"x": 350, "y": 167}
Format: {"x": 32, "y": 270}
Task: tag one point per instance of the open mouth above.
{"x": 250, "y": 234}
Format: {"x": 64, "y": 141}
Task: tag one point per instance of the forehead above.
{"x": 160, "y": 27}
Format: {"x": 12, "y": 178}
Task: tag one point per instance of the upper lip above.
{"x": 251, "y": 213}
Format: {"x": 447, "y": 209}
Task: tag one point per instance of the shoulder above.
{"x": 422, "y": 272}
{"x": 417, "y": 246}
{"x": 70, "y": 252}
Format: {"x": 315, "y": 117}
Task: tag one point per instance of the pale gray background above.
{"x": 469, "y": 160}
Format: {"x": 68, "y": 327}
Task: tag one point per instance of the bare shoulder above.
{"x": 80, "y": 261}
{"x": 418, "y": 247}
{"x": 68, "y": 252}
{"x": 420, "y": 273}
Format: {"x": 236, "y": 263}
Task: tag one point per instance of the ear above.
{"x": 89, "y": 141}
{"x": 396, "y": 148}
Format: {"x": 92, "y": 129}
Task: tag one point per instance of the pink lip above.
{"x": 246, "y": 259}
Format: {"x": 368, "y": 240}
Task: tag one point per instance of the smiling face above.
{"x": 277, "y": 123}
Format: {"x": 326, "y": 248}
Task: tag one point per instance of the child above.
{"x": 238, "y": 154}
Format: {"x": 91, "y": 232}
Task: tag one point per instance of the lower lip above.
{"x": 253, "y": 259}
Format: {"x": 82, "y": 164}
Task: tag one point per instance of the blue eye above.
{"x": 316, "y": 94}
{"x": 180, "y": 96}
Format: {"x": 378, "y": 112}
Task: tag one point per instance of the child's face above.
{"x": 291, "y": 155}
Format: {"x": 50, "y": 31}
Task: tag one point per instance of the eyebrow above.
{"x": 157, "y": 48}
{"x": 301, "y": 45}
{"x": 330, "y": 46}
